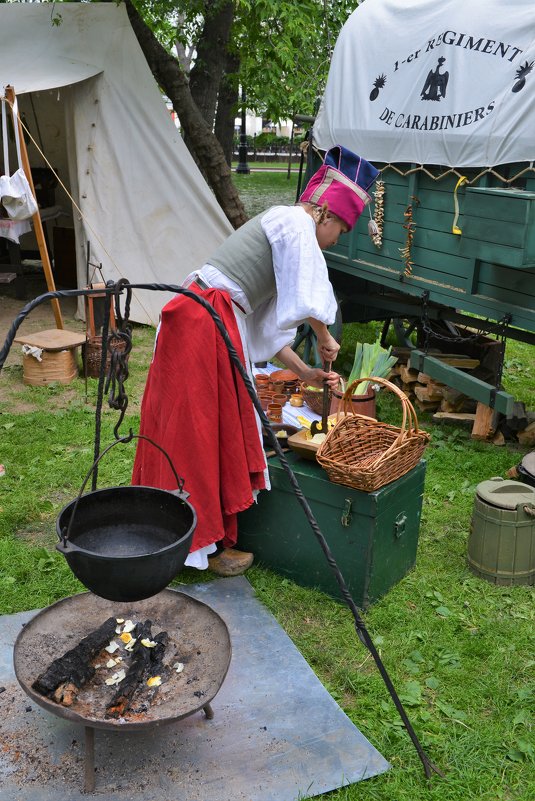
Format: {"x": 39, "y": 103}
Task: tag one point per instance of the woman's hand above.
{"x": 316, "y": 377}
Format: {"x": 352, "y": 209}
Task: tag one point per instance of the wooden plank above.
{"x": 509, "y": 278}
{"x": 494, "y": 253}
{"x": 447, "y": 405}
{"x": 7, "y": 278}
{"x": 54, "y": 339}
{"x": 498, "y": 439}
{"x": 494, "y": 204}
{"x": 527, "y": 436}
{"x": 426, "y": 406}
{"x": 463, "y": 419}
{"x": 511, "y": 234}
{"x": 408, "y": 376}
{"x": 375, "y": 271}
{"x": 482, "y": 428}
{"x": 467, "y": 384}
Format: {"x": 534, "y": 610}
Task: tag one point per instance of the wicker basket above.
{"x": 314, "y": 400}
{"x": 92, "y": 354}
{"x": 366, "y": 454}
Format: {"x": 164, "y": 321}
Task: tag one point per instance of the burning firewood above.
{"x": 141, "y": 667}
{"x": 66, "y": 675}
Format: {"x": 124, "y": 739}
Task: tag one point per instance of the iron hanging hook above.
{"x": 119, "y": 345}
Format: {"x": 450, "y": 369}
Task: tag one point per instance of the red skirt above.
{"x": 197, "y": 408}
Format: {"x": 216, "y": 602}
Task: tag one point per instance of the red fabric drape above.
{"x": 196, "y": 407}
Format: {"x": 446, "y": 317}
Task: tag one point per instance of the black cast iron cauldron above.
{"x": 127, "y": 543}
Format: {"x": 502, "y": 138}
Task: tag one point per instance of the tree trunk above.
{"x": 211, "y": 56}
{"x": 203, "y": 142}
{"x": 210, "y": 61}
{"x": 226, "y": 108}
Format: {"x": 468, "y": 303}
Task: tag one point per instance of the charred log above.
{"x": 140, "y": 669}
{"x": 157, "y": 667}
{"x": 67, "y": 674}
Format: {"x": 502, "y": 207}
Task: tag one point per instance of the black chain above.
{"x": 502, "y": 335}
{"x": 119, "y": 345}
{"x": 429, "y": 331}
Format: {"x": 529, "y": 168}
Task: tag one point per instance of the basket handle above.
{"x": 410, "y": 420}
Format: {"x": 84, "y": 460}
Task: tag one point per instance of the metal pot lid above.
{"x": 528, "y": 463}
{"x": 505, "y": 493}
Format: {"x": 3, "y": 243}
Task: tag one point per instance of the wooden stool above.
{"x": 58, "y": 358}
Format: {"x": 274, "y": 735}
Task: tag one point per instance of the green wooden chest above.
{"x": 373, "y": 536}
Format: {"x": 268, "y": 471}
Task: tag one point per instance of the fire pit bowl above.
{"x": 198, "y": 637}
{"x": 126, "y": 543}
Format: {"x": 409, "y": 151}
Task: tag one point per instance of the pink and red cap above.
{"x": 342, "y": 182}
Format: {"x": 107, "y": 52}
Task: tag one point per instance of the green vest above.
{"x": 246, "y": 258}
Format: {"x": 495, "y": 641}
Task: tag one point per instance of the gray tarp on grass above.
{"x": 277, "y": 734}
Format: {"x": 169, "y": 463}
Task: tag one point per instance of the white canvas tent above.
{"x": 90, "y": 101}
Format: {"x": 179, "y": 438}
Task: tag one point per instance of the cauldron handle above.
{"x": 128, "y": 438}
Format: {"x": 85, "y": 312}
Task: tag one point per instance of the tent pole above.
{"x": 37, "y": 222}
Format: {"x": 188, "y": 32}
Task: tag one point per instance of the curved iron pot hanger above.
{"x": 115, "y": 289}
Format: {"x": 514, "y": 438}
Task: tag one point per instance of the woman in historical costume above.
{"x": 266, "y": 279}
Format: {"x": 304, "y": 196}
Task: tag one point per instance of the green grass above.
{"x": 259, "y": 190}
{"x": 459, "y": 650}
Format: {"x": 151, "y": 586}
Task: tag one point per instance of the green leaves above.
{"x": 522, "y": 750}
{"x": 411, "y": 695}
{"x": 46, "y": 561}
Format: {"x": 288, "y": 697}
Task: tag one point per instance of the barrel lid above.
{"x": 505, "y": 493}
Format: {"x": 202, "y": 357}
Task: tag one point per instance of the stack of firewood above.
{"x": 448, "y": 405}
{"x": 427, "y": 394}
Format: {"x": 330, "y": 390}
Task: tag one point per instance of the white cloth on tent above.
{"x": 449, "y": 83}
{"x": 16, "y": 195}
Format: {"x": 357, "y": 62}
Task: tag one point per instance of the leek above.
{"x": 370, "y": 360}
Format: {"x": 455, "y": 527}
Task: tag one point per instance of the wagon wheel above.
{"x": 307, "y": 338}
{"x": 403, "y": 328}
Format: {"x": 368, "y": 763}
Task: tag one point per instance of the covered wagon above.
{"x": 440, "y": 97}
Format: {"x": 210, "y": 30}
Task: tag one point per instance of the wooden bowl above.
{"x": 283, "y": 375}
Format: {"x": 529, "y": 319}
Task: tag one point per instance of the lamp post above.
{"x": 242, "y": 167}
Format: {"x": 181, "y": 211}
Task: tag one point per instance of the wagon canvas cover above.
{"x": 449, "y": 83}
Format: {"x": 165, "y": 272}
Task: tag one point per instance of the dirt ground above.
{"x": 14, "y": 396}
{"x": 40, "y": 319}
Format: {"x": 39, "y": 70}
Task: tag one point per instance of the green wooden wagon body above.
{"x": 485, "y": 271}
